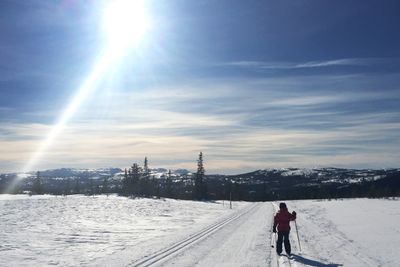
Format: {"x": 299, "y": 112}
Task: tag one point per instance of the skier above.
{"x": 282, "y": 220}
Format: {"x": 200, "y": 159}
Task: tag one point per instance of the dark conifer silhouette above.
{"x": 145, "y": 186}
{"x": 200, "y": 189}
{"x": 146, "y": 170}
{"x": 130, "y": 182}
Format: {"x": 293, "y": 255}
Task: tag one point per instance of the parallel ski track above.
{"x": 182, "y": 245}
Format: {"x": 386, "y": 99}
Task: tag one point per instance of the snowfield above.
{"x": 117, "y": 231}
{"x": 353, "y": 232}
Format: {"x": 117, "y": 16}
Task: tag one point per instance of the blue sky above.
{"x": 252, "y": 84}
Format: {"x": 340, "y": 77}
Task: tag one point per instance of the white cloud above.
{"x": 310, "y": 64}
{"x": 240, "y": 125}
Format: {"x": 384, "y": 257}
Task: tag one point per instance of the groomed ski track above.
{"x": 245, "y": 238}
{"x": 241, "y": 239}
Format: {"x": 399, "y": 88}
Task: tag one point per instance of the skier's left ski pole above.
{"x": 273, "y": 240}
{"x": 297, "y": 232}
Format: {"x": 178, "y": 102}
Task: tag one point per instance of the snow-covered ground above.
{"x": 117, "y": 231}
{"x": 355, "y": 232}
{"x": 95, "y": 231}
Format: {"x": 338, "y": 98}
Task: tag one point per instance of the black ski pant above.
{"x": 283, "y": 236}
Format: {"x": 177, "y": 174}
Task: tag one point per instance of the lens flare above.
{"x": 83, "y": 93}
{"x": 124, "y": 22}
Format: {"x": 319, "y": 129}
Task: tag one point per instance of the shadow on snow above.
{"x": 315, "y": 263}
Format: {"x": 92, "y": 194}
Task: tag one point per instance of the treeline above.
{"x": 140, "y": 181}
{"x": 388, "y": 186}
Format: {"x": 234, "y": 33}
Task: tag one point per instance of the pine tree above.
{"x": 133, "y": 180}
{"x": 200, "y": 190}
{"x": 146, "y": 170}
{"x": 135, "y": 173}
{"x": 144, "y": 183}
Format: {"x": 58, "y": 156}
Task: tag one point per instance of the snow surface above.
{"x": 117, "y": 231}
{"x": 355, "y": 232}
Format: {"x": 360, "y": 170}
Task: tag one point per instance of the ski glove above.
{"x": 294, "y": 213}
{"x": 274, "y": 230}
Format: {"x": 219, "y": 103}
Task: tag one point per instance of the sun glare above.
{"x": 125, "y": 22}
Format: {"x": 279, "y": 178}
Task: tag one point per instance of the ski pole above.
{"x": 297, "y": 232}
{"x": 274, "y": 241}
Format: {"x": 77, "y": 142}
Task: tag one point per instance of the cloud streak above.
{"x": 352, "y": 62}
{"x": 239, "y": 124}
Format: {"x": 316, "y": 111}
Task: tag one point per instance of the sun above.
{"x": 125, "y": 22}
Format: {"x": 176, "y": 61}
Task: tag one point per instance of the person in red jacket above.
{"x": 281, "y": 221}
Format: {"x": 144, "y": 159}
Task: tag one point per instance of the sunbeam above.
{"x": 124, "y": 23}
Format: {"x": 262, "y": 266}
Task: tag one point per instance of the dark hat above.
{"x": 282, "y": 206}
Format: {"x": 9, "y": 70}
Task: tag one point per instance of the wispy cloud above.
{"x": 238, "y": 124}
{"x": 312, "y": 64}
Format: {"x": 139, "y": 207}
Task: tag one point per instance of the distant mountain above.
{"x": 64, "y": 173}
{"x": 307, "y": 177}
{"x": 266, "y": 184}
{"x": 80, "y": 173}
{"x": 297, "y": 183}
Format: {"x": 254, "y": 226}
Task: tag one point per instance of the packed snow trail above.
{"x": 245, "y": 239}
{"x": 241, "y": 239}
{"x": 241, "y": 242}
{"x": 164, "y": 254}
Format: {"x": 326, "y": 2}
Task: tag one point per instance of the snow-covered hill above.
{"x": 317, "y": 175}
{"x": 118, "y": 231}
{"x": 261, "y": 185}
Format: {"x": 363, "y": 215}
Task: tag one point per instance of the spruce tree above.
{"x": 200, "y": 190}
{"x": 144, "y": 184}
{"x": 134, "y": 176}
{"x": 146, "y": 170}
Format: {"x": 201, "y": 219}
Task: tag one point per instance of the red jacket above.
{"x": 283, "y": 218}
